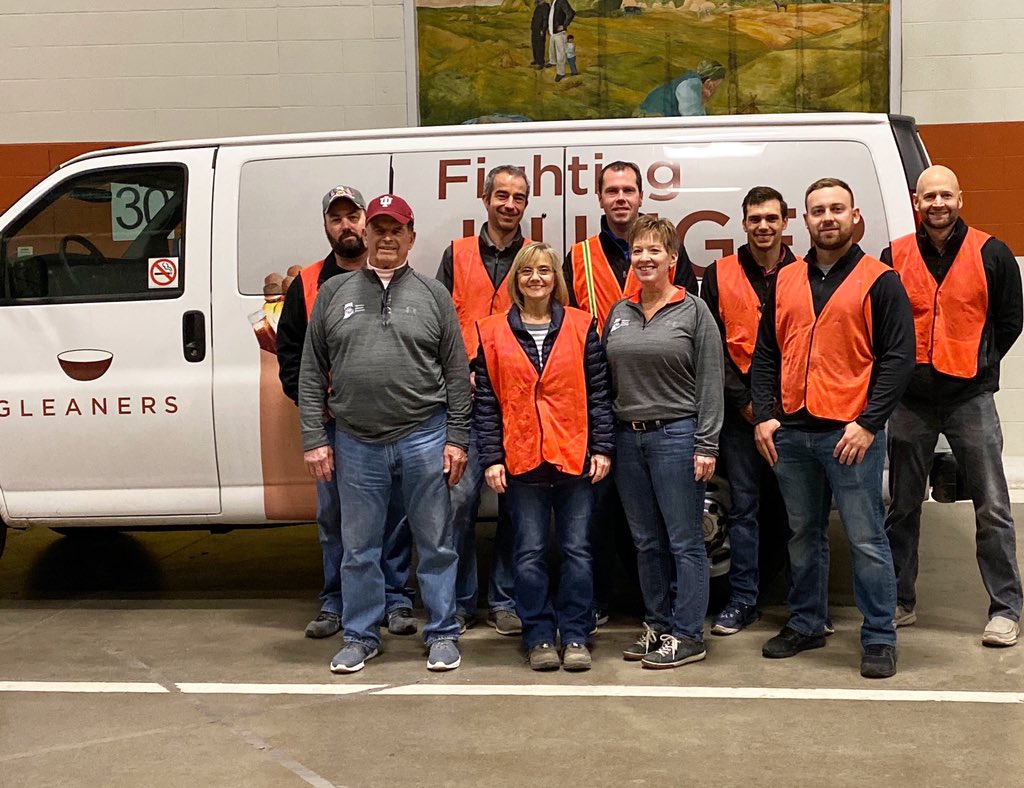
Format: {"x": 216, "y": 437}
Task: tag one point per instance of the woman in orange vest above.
{"x": 665, "y": 354}
{"x": 545, "y": 433}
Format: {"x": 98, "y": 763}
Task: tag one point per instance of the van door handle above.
{"x": 193, "y": 335}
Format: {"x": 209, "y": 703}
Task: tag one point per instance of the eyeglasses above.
{"x": 526, "y": 273}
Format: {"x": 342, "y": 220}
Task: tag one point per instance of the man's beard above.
{"x": 349, "y": 248}
{"x": 841, "y": 240}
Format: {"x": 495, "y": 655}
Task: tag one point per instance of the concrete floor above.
{"x": 173, "y": 608}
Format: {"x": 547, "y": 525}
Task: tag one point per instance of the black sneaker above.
{"x": 324, "y": 625}
{"x": 401, "y": 621}
{"x": 645, "y": 644}
{"x": 878, "y": 662}
{"x": 789, "y": 643}
{"x": 675, "y": 652}
{"x": 733, "y": 618}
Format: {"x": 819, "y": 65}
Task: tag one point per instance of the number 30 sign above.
{"x": 133, "y": 206}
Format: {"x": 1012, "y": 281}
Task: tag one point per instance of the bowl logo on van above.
{"x": 85, "y": 364}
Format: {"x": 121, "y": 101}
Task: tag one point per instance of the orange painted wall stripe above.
{"x": 988, "y": 157}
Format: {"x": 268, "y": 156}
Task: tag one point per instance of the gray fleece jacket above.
{"x": 668, "y": 367}
{"x": 383, "y": 360}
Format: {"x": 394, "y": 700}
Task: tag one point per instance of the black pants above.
{"x": 539, "y": 40}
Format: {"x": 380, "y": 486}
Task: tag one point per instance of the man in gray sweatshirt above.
{"x": 385, "y": 356}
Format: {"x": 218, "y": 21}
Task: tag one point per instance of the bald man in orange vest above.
{"x": 965, "y": 288}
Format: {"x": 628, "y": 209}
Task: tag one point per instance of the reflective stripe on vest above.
{"x": 544, "y": 416}
{"x": 826, "y": 360}
{"x": 594, "y": 284}
{"x": 740, "y": 310}
{"x": 949, "y": 319}
{"x": 473, "y": 292}
{"x": 310, "y": 276}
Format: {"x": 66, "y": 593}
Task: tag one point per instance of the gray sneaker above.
{"x": 645, "y": 644}
{"x": 401, "y": 621}
{"x": 904, "y": 617}
{"x": 324, "y": 625}
{"x": 576, "y": 657}
{"x": 444, "y": 655}
{"x": 675, "y": 652}
{"x": 505, "y": 622}
{"x": 465, "y": 622}
{"x": 544, "y": 657}
{"x": 353, "y": 657}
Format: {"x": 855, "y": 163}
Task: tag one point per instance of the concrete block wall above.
{"x": 74, "y": 70}
{"x": 76, "y": 74}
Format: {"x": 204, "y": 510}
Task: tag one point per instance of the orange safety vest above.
{"x": 473, "y": 292}
{"x": 544, "y": 416}
{"x": 310, "y": 286}
{"x": 826, "y": 360}
{"x": 594, "y": 284}
{"x": 949, "y": 318}
{"x": 740, "y": 310}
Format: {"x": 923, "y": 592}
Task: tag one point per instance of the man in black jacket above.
{"x": 834, "y": 353}
{"x": 344, "y": 218}
{"x": 965, "y": 288}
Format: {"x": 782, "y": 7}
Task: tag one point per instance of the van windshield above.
{"x": 99, "y": 236}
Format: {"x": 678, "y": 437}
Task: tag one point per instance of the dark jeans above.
{"x": 809, "y": 476}
{"x": 570, "y": 612}
{"x": 973, "y": 431}
{"x": 612, "y": 543}
{"x": 665, "y": 509}
{"x": 753, "y": 496}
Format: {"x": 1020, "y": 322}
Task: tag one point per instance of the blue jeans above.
{"x": 397, "y": 546}
{"x": 974, "y": 434}
{"x": 571, "y": 611}
{"x": 465, "y": 500}
{"x": 753, "y": 491}
{"x": 412, "y": 466}
{"x": 665, "y": 509}
{"x": 809, "y": 476}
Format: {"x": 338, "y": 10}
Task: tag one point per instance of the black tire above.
{"x": 3, "y": 537}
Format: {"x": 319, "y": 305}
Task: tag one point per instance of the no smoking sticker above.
{"x": 163, "y": 272}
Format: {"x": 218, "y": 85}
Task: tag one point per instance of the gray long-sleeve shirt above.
{"x": 668, "y": 367}
{"x": 389, "y": 358}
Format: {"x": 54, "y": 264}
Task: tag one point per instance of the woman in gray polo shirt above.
{"x": 665, "y": 354}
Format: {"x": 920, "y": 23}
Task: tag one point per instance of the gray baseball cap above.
{"x": 344, "y": 193}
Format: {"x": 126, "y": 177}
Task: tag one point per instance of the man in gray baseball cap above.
{"x": 344, "y": 210}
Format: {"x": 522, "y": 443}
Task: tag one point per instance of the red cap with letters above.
{"x": 389, "y": 205}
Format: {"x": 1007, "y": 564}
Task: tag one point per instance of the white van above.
{"x": 140, "y": 385}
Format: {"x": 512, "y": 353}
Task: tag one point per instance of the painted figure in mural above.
{"x": 685, "y": 95}
{"x": 559, "y": 19}
{"x": 539, "y": 32}
{"x": 820, "y": 409}
{"x": 344, "y": 212}
{"x": 965, "y": 288}
{"x": 570, "y": 54}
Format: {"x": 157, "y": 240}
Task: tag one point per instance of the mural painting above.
{"x": 485, "y": 60}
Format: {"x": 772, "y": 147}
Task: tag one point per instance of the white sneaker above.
{"x": 1001, "y": 631}
{"x": 903, "y": 617}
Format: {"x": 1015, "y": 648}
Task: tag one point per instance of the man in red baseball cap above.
{"x": 385, "y": 351}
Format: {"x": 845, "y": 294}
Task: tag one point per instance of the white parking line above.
{"x": 82, "y": 686}
{"x": 528, "y": 690}
{"x": 725, "y": 693}
{"x": 199, "y": 688}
